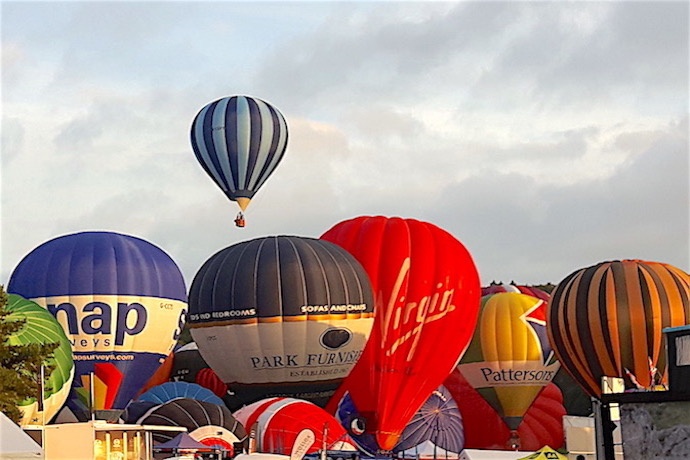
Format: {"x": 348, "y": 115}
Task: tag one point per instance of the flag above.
{"x": 633, "y": 379}
{"x": 653, "y": 371}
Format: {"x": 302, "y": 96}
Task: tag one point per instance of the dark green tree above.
{"x": 20, "y": 365}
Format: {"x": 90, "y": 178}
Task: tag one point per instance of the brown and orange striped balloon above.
{"x": 609, "y": 317}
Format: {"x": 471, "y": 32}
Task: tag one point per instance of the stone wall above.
{"x": 659, "y": 431}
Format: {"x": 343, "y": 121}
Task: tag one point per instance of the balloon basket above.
{"x": 514, "y": 441}
{"x": 239, "y": 221}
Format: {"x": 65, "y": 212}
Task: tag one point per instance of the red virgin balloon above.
{"x": 427, "y": 297}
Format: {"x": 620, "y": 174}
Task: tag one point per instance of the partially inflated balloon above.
{"x": 529, "y": 290}
{"x": 161, "y": 376}
{"x": 120, "y": 300}
{"x": 172, "y": 390}
{"x": 484, "y": 428}
{"x": 202, "y": 419}
{"x": 279, "y": 422}
{"x": 281, "y": 316}
{"x": 187, "y": 362}
{"x": 427, "y": 299}
{"x": 438, "y": 421}
{"x": 189, "y": 366}
{"x": 40, "y": 327}
{"x": 608, "y": 318}
{"x": 239, "y": 141}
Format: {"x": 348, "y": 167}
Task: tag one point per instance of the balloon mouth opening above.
{"x": 387, "y": 441}
{"x": 243, "y": 202}
{"x": 514, "y": 441}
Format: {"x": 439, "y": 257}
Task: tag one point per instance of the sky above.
{"x": 545, "y": 136}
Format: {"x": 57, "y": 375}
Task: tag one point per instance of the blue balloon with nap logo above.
{"x": 122, "y": 303}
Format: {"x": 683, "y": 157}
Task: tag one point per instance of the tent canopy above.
{"x": 181, "y": 442}
{"x": 545, "y": 453}
{"x": 426, "y": 450}
{"x": 15, "y": 443}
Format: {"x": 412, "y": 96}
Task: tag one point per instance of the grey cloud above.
{"x": 529, "y": 87}
{"x": 520, "y": 229}
{"x": 510, "y": 56}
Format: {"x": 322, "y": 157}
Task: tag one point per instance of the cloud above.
{"x": 521, "y": 229}
{"x": 545, "y": 135}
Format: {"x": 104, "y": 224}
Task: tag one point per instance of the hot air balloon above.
{"x": 121, "y": 302}
{"x": 189, "y": 366}
{"x": 171, "y": 390}
{"x": 239, "y": 142}
{"x": 510, "y": 360}
{"x": 248, "y": 415}
{"x": 209, "y": 423}
{"x": 40, "y": 327}
{"x": 187, "y": 362}
{"x": 280, "y": 420}
{"x": 495, "y": 288}
{"x": 427, "y": 293}
{"x": 484, "y": 428}
{"x": 162, "y": 374}
{"x": 161, "y": 394}
{"x": 281, "y": 316}
{"x": 438, "y": 421}
{"x": 607, "y": 319}
{"x": 575, "y": 400}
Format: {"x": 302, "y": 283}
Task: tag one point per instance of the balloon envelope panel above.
{"x": 281, "y": 316}
{"x": 608, "y": 318}
{"x": 120, "y": 300}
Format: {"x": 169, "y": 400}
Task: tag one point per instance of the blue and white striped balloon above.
{"x": 239, "y": 142}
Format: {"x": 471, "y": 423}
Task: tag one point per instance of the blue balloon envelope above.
{"x": 171, "y": 390}
{"x": 239, "y": 141}
{"x": 121, "y": 301}
{"x": 439, "y": 421}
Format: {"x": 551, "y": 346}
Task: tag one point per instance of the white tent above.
{"x": 427, "y": 451}
{"x": 481, "y": 454}
{"x": 14, "y": 443}
{"x": 261, "y": 456}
